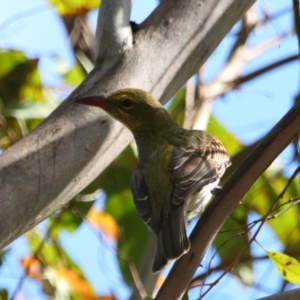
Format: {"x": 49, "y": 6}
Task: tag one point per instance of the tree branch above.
{"x": 223, "y": 205}
{"x": 113, "y": 34}
{"x": 288, "y": 295}
{"x": 81, "y": 36}
{"x": 265, "y": 69}
{"x": 52, "y": 164}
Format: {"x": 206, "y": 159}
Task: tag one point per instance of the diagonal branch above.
{"x": 52, "y": 164}
{"x": 81, "y": 36}
{"x": 265, "y": 69}
{"x": 223, "y": 205}
{"x": 290, "y": 295}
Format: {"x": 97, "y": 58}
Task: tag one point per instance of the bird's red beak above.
{"x": 99, "y": 101}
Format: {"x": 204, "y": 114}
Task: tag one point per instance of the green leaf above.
{"x": 288, "y": 267}
{"x": 9, "y": 59}
{"x": 19, "y": 78}
{"x": 74, "y": 7}
{"x": 2, "y": 254}
{"x": 117, "y": 176}
{"x": 289, "y": 234}
{"x": 74, "y": 76}
{"x": 229, "y": 243}
{"x": 3, "y": 294}
{"x": 67, "y": 220}
{"x": 21, "y": 96}
{"x": 27, "y": 110}
{"x": 50, "y": 253}
{"x": 177, "y": 106}
{"x": 262, "y": 195}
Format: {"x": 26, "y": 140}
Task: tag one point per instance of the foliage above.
{"x": 74, "y": 7}
{"x": 25, "y": 102}
{"x": 288, "y": 267}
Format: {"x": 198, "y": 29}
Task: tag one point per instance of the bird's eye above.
{"x": 127, "y": 103}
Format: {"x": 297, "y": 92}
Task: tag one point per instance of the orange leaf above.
{"x": 104, "y": 221}
{"x": 160, "y": 280}
{"x": 76, "y": 283}
{"x": 31, "y": 266}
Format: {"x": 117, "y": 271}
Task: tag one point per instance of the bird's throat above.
{"x": 150, "y": 139}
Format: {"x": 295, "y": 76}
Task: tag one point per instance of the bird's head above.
{"x": 134, "y": 108}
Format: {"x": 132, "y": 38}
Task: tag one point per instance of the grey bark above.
{"x": 288, "y": 295}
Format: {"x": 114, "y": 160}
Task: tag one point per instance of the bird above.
{"x": 177, "y": 171}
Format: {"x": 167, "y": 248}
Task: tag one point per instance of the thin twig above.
{"x": 24, "y": 14}
{"x": 294, "y": 201}
{"x": 263, "y": 70}
{"x": 134, "y": 273}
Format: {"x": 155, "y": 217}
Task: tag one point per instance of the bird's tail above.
{"x": 172, "y": 240}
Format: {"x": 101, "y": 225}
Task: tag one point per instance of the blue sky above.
{"x": 249, "y": 113}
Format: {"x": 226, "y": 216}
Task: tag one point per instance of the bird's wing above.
{"x": 194, "y": 167}
{"x": 141, "y": 198}
{"x": 169, "y": 228}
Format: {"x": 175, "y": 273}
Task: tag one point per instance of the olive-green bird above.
{"x": 177, "y": 169}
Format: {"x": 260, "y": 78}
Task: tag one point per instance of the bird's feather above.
{"x": 141, "y": 199}
{"x": 168, "y": 225}
{"x": 195, "y": 166}
{"x": 172, "y": 240}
